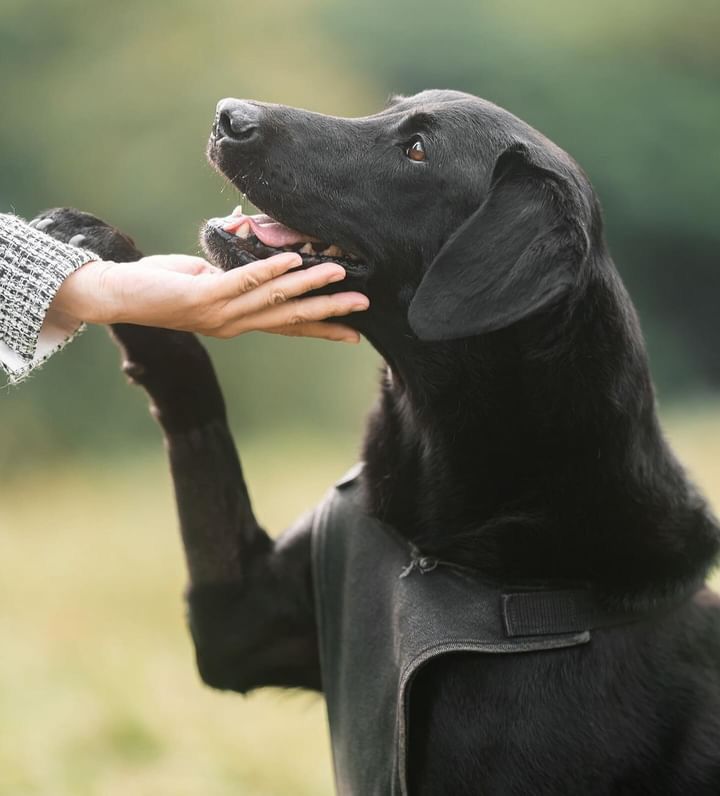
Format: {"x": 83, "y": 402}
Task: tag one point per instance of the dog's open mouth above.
{"x": 238, "y": 239}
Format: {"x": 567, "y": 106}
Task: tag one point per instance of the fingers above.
{"x": 282, "y": 288}
{"x": 249, "y": 277}
{"x": 294, "y": 313}
{"x": 322, "y": 331}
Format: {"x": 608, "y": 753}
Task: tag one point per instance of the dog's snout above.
{"x": 237, "y": 120}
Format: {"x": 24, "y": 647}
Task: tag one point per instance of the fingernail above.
{"x": 359, "y": 305}
{"x": 337, "y": 277}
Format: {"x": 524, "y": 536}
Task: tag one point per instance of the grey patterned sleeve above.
{"x": 32, "y": 268}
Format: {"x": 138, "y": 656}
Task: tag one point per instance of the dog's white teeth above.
{"x": 243, "y": 231}
{"x": 238, "y": 211}
{"x": 307, "y": 249}
{"x": 332, "y": 251}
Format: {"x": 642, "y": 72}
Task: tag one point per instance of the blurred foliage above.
{"x": 107, "y": 106}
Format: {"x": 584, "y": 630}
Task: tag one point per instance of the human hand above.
{"x": 187, "y": 293}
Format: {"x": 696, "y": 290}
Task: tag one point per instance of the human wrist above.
{"x": 86, "y": 294}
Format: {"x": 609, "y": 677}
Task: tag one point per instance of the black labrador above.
{"x": 515, "y": 435}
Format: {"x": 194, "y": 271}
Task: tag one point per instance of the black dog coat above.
{"x": 383, "y": 611}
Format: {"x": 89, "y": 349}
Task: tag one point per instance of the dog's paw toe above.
{"x": 81, "y": 229}
{"x": 42, "y": 224}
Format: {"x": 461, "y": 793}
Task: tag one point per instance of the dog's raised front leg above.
{"x": 250, "y": 599}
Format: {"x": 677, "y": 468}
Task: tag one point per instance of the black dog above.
{"x": 515, "y": 438}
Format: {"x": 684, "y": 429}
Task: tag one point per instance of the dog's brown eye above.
{"x": 416, "y": 150}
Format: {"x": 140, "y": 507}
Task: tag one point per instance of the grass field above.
{"x": 98, "y": 690}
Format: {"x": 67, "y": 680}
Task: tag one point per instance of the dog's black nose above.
{"x": 237, "y": 120}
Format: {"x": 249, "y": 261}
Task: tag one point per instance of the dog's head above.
{"x": 445, "y": 209}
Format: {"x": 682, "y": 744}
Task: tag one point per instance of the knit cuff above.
{"x": 33, "y": 265}
{"x": 58, "y": 330}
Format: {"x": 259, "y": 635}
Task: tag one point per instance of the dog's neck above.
{"x": 535, "y": 452}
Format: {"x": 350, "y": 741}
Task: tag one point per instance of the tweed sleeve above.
{"x": 32, "y": 267}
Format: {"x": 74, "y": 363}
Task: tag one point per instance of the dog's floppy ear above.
{"x": 515, "y": 255}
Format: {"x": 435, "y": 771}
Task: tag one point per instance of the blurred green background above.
{"x": 106, "y": 106}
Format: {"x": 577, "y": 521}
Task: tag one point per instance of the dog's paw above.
{"x": 168, "y": 364}
{"x": 87, "y": 231}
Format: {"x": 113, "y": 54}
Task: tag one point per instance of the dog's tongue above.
{"x": 268, "y": 231}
